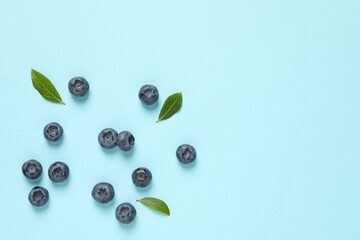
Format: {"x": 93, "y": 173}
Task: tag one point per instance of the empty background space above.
{"x": 271, "y": 103}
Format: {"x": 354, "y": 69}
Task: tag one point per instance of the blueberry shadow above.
{"x": 144, "y": 189}
{"x": 57, "y": 143}
{"x": 130, "y": 225}
{"x": 150, "y": 107}
{"x": 80, "y": 99}
{"x": 105, "y": 205}
{"x": 62, "y": 184}
{"x": 34, "y": 181}
{"x": 188, "y": 165}
{"x": 109, "y": 151}
{"x": 128, "y": 154}
{"x": 42, "y": 208}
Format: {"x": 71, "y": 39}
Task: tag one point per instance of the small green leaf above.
{"x": 155, "y": 204}
{"x": 171, "y": 106}
{"x": 45, "y": 87}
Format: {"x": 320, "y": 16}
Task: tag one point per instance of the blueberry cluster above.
{"x": 58, "y": 171}
{"x": 104, "y": 192}
{"x": 108, "y": 138}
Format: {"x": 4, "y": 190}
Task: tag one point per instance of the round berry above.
{"x": 53, "y": 132}
{"x": 32, "y": 169}
{"x": 107, "y": 138}
{"x": 186, "y": 153}
{"x": 103, "y": 192}
{"x": 58, "y": 172}
{"x": 78, "y": 86}
{"x": 125, "y": 213}
{"x": 141, "y": 177}
{"x": 38, "y": 196}
{"x": 125, "y": 140}
{"x": 148, "y": 94}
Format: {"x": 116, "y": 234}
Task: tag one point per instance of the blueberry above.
{"x": 53, "y": 131}
{"x": 186, "y": 153}
{"x": 141, "y": 177}
{"x": 107, "y": 138}
{"x": 78, "y": 86}
{"x": 125, "y": 140}
{"x": 125, "y": 213}
{"x": 103, "y": 192}
{"x": 32, "y": 169}
{"x": 38, "y": 196}
{"x": 58, "y": 172}
{"x": 148, "y": 94}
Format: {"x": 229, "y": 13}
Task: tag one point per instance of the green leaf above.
{"x": 171, "y": 106}
{"x": 45, "y": 87}
{"x": 155, "y": 204}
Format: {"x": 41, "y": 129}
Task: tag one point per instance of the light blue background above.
{"x": 271, "y": 103}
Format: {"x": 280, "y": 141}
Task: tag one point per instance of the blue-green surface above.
{"x": 271, "y": 103}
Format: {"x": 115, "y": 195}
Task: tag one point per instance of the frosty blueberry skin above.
{"x": 53, "y": 132}
{"x": 38, "y": 196}
{"x": 32, "y": 169}
{"x": 125, "y": 141}
{"x": 141, "y": 177}
{"x": 78, "y": 86}
{"x": 186, "y": 153}
{"x": 125, "y": 213}
{"x": 148, "y": 94}
{"x": 103, "y": 192}
{"x": 107, "y": 138}
{"x": 58, "y": 172}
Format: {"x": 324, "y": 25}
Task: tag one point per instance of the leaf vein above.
{"x": 172, "y": 105}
